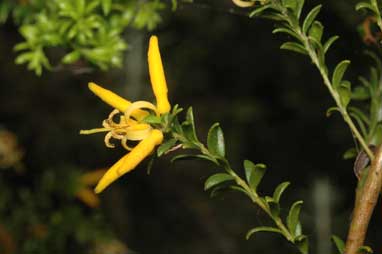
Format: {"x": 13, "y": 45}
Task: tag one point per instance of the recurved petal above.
{"x": 130, "y": 160}
{"x": 157, "y": 77}
{"x": 115, "y": 100}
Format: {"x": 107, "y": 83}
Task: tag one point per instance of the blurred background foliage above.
{"x": 271, "y": 105}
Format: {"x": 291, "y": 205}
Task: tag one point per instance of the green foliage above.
{"x": 85, "y": 29}
{"x": 340, "y": 245}
{"x": 44, "y": 216}
{"x": 183, "y": 135}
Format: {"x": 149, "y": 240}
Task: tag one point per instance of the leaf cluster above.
{"x": 182, "y": 135}
{"x": 91, "y": 30}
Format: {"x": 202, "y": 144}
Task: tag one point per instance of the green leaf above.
{"x": 71, "y": 57}
{"x": 273, "y": 205}
{"x": 360, "y": 93}
{"x": 302, "y": 244}
{"x": 364, "y": 5}
{"x": 217, "y": 179}
{"x": 262, "y": 229}
{"x": 106, "y": 6}
{"x": 215, "y": 141}
{"x": 163, "y": 148}
{"x": 329, "y": 43}
{"x": 316, "y": 31}
{"x": 350, "y": 154}
{"x": 365, "y": 250}
{"x": 258, "y": 11}
{"x": 152, "y": 119}
{"x": 290, "y": 4}
{"x": 294, "y": 46}
{"x": 192, "y": 156}
{"x": 189, "y": 126}
{"x": 344, "y": 91}
{"x": 339, "y": 72}
{"x": 293, "y": 217}
{"x": 254, "y": 173}
{"x": 339, "y": 244}
{"x": 300, "y": 5}
{"x": 330, "y": 111}
{"x": 310, "y": 18}
{"x": 279, "y": 191}
{"x": 287, "y": 31}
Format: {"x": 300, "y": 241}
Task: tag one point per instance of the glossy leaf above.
{"x": 293, "y": 217}
{"x": 254, "y": 173}
{"x": 262, "y": 229}
{"x": 310, "y": 18}
{"x": 279, "y": 191}
{"x": 339, "y": 72}
{"x": 215, "y": 141}
{"x": 286, "y": 31}
{"x": 340, "y": 245}
{"x": 294, "y": 46}
{"x": 217, "y": 179}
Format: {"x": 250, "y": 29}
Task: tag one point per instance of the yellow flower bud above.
{"x": 158, "y": 79}
{"x": 115, "y": 100}
{"x": 130, "y": 160}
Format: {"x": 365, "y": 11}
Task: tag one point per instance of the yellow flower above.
{"x": 84, "y": 193}
{"x": 130, "y": 127}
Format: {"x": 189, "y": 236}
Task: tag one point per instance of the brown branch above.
{"x": 366, "y": 200}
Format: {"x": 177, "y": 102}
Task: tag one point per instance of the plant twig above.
{"x": 364, "y": 206}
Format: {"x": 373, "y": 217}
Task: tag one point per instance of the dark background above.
{"x": 271, "y": 105}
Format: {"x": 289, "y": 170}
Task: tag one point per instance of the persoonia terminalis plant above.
{"x": 152, "y": 125}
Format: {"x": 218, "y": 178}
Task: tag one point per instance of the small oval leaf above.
{"x": 339, "y": 72}
{"x": 217, "y": 179}
{"x": 215, "y": 141}
{"x": 279, "y": 191}
{"x": 254, "y": 173}
{"x": 310, "y": 18}
{"x": 293, "y": 216}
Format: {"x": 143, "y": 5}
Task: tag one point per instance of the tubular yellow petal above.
{"x": 130, "y": 160}
{"x": 88, "y": 197}
{"x": 158, "y": 79}
{"x": 115, "y": 100}
{"x": 92, "y": 177}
